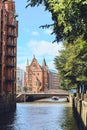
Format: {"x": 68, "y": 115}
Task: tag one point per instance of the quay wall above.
{"x": 7, "y": 103}
{"x": 79, "y": 104}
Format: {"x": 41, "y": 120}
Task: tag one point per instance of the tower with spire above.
{"x": 44, "y": 62}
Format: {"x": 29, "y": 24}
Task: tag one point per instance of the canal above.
{"x": 39, "y": 116}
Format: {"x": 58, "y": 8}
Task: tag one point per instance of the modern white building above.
{"x": 19, "y": 79}
{"x": 54, "y": 82}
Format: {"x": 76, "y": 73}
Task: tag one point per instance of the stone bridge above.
{"x": 27, "y": 97}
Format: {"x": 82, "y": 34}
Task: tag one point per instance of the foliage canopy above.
{"x": 69, "y": 17}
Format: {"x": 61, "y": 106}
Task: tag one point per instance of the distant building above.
{"x": 19, "y": 79}
{"x": 37, "y": 79}
{"x": 54, "y": 82}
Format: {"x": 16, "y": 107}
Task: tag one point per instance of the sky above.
{"x": 33, "y": 40}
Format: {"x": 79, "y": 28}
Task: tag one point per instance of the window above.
{"x": 30, "y": 76}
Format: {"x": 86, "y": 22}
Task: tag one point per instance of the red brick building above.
{"x": 8, "y": 41}
{"x": 37, "y": 76}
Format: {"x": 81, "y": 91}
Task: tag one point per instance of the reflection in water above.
{"x": 39, "y": 116}
{"x": 6, "y": 121}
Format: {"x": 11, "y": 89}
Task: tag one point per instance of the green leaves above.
{"x": 72, "y": 62}
{"x": 69, "y": 17}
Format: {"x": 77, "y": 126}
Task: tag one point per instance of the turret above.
{"x": 27, "y": 64}
{"x": 44, "y": 65}
{"x": 44, "y": 62}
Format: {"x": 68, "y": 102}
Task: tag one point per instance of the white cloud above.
{"x": 41, "y": 48}
{"x": 47, "y": 31}
{"x": 34, "y": 33}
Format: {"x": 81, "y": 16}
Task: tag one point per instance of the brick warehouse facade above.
{"x": 8, "y": 41}
{"x": 37, "y": 76}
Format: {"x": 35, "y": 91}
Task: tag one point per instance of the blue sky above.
{"x": 33, "y": 40}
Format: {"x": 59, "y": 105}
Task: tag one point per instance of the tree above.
{"x": 25, "y": 89}
{"x": 69, "y": 17}
{"x": 71, "y": 64}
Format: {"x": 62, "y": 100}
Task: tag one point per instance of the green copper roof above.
{"x": 27, "y": 64}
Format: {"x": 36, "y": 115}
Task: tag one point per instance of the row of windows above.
{"x": 33, "y": 74}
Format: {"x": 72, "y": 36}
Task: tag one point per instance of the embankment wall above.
{"x": 79, "y": 104}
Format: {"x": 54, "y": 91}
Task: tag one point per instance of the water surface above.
{"x": 39, "y": 116}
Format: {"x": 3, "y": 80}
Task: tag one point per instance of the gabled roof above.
{"x": 34, "y": 60}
